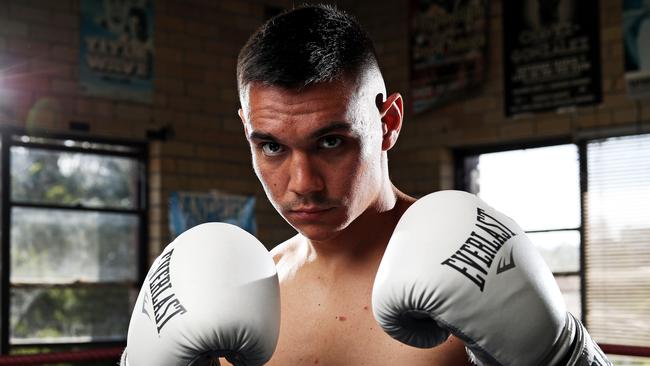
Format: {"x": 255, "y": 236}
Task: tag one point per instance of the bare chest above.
{"x": 331, "y": 323}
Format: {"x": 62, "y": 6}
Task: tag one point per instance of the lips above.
{"x": 309, "y": 213}
{"x": 310, "y": 209}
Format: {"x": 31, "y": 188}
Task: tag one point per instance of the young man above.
{"x": 320, "y": 123}
{"x": 367, "y": 259}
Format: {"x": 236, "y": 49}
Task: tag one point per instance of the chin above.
{"x": 318, "y": 235}
{"x": 318, "y": 232}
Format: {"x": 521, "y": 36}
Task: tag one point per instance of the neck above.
{"x": 365, "y": 239}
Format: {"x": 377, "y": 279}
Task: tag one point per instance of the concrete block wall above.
{"x": 196, "y": 50}
{"x": 422, "y": 161}
{"x": 196, "y": 46}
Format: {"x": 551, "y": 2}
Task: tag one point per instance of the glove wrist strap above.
{"x": 578, "y": 350}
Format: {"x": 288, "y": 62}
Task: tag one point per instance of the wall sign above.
{"x": 448, "y": 50}
{"x": 116, "y": 49}
{"x": 188, "y": 209}
{"x": 551, "y": 54}
{"x": 636, "y": 42}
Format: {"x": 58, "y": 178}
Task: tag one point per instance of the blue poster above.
{"x": 116, "y": 49}
{"x": 188, "y": 209}
{"x": 636, "y": 41}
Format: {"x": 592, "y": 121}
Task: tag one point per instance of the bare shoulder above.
{"x": 285, "y": 248}
{"x": 286, "y": 255}
{"x": 404, "y": 201}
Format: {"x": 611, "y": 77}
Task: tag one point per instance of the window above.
{"x": 594, "y": 234}
{"x": 540, "y": 189}
{"x": 73, "y": 239}
{"x": 617, "y": 240}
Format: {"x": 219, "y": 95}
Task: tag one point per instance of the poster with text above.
{"x": 188, "y": 209}
{"x": 551, "y": 54}
{"x": 636, "y": 43}
{"x": 448, "y": 50}
{"x": 116, "y": 49}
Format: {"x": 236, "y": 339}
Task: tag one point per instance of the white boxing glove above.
{"x": 213, "y": 292}
{"x": 455, "y": 265}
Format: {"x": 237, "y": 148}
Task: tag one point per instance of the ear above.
{"x": 391, "y": 112}
{"x": 240, "y": 112}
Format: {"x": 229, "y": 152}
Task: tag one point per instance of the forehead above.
{"x": 274, "y": 105}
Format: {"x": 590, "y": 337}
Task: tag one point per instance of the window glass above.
{"x": 64, "y": 246}
{"x": 560, "y": 249}
{"x": 619, "y": 360}
{"x": 570, "y": 287}
{"x": 617, "y": 240}
{"x": 72, "y": 178}
{"x": 539, "y": 188}
{"x": 69, "y": 314}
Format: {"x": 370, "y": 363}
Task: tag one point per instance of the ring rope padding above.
{"x": 99, "y": 354}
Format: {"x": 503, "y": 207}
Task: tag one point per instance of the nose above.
{"x": 305, "y": 178}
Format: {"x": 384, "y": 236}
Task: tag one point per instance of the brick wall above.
{"x": 196, "y": 44}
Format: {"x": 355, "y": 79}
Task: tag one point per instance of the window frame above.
{"x": 139, "y": 151}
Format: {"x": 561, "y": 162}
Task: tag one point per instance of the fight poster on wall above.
{"x": 116, "y": 49}
{"x": 636, "y": 42}
{"x": 551, "y": 54}
{"x": 188, "y": 209}
{"x": 448, "y": 50}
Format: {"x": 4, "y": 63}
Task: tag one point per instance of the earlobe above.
{"x": 391, "y": 112}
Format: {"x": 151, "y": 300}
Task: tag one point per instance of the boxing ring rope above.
{"x": 99, "y": 354}
{"x": 114, "y": 353}
{"x": 617, "y": 349}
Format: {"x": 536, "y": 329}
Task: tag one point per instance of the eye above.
{"x": 330, "y": 142}
{"x": 272, "y": 148}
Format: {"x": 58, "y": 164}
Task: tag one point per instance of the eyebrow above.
{"x": 340, "y": 126}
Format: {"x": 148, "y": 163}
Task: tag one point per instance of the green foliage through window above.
{"x": 76, "y": 219}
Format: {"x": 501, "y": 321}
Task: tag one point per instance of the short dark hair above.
{"x": 305, "y": 46}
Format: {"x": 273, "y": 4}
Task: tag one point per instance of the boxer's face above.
{"x": 317, "y": 152}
